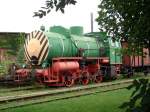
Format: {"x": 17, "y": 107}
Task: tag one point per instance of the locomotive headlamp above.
{"x": 24, "y": 66}
{"x": 44, "y": 65}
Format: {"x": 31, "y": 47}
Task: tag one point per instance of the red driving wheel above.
{"x": 98, "y": 78}
{"x": 85, "y": 78}
{"x": 69, "y": 81}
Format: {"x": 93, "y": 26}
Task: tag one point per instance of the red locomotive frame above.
{"x": 66, "y": 71}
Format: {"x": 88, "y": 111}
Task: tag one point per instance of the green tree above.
{"x": 50, "y": 4}
{"x": 126, "y": 19}
{"x": 12, "y": 42}
{"x": 129, "y": 20}
{"x": 20, "y": 53}
{"x": 140, "y": 98}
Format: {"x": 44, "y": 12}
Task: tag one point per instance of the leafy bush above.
{"x": 140, "y": 97}
{"x": 4, "y": 67}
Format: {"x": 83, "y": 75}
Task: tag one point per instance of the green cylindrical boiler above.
{"x": 41, "y": 47}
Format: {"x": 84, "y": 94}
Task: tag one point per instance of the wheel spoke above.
{"x": 69, "y": 81}
{"x": 98, "y": 78}
{"x": 85, "y": 78}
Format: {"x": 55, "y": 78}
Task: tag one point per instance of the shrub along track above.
{"x": 61, "y": 93}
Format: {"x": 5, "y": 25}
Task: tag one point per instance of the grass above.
{"x": 100, "y": 102}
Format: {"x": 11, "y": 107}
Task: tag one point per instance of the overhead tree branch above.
{"x": 51, "y": 4}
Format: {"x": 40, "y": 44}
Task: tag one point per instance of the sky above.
{"x": 17, "y": 15}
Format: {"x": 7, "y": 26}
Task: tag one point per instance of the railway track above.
{"x": 7, "y": 89}
{"x": 57, "y": 94}
{"x": 19, "y": 88}
{"x": 22, "y": 90}
{"x": 52, "y": 94}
